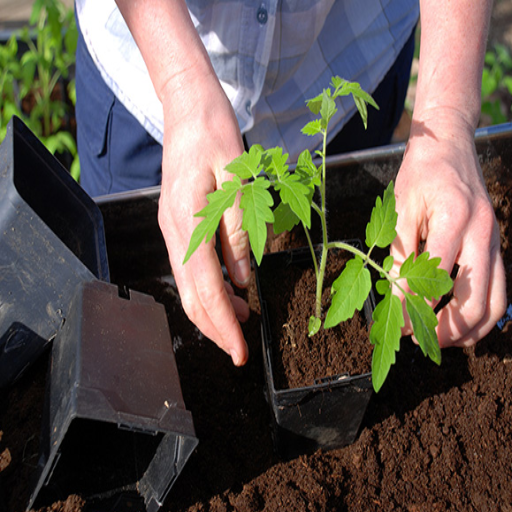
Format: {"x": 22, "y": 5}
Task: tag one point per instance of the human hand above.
{"x": 201, "y": 136}
{"x": 442, "y": 200}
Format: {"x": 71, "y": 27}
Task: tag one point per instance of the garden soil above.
{"x": 435, "y": 438}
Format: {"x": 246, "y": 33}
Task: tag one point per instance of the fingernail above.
{"x": 235, "y": 357}
{"x": 242, "y": 271}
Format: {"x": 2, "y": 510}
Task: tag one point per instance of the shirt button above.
{"x": 262, "y": 15}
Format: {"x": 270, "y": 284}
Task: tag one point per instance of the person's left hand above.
{"x": 442, "y": 200}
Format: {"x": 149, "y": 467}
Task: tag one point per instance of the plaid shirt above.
{"x": 270, "y": 56}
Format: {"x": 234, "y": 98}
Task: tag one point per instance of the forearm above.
{"x": 453, "y": 41}
{"x": 177, "y": 61}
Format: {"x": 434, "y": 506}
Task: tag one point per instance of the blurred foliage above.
{"x": 497, "y": 85}
{"x": 35, "y": 78}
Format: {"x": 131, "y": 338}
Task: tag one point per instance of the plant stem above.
{"x": 323, "y": 220}
{"x": 311, "y": 248}
{"x": 366, "y": 258}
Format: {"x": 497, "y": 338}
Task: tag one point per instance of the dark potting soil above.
{"x": 300, "y": 360}
{"x": 433, "y": 439}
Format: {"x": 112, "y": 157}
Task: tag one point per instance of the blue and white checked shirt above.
{"x": 270, "y": 56}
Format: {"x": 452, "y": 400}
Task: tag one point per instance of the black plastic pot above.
{"x": 116, "y": 430}
{"x": 325, "y": 415}
{"x": 52, "y": 239}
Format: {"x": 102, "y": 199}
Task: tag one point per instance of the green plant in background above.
{"x": 35, "y": 80}
{"x": 10, "y": 70}
{"x": 497, "y": 84}
{"x": 419, "y": 279}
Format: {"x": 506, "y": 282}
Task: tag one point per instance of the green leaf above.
{"x": 284, "y": 219}
{"x": 489, "y": 83}
{"x": 350, "y": 291}
{"x": 218, "y": 202}
{"x": 306, "y": 168}
{"x": 75, "y": 169}
{"x": 361, "y": 97}
{"x": 328, "y": 108}
{"x": 274, "y": 161}
{"x": 71, "y": 37}
{"x": 35, "y": 14}
{"x": 385, "y": 334}
{"x": 294, "y": 193}
{"x": 381, "y": 231}
{"x": 507, "y": 82}
{"x": 256, "y": 202}
{"x": 60, "y": 142}
{"x": 424, "y": 277}
{"x": 362, "y": 109}
{"x": 315, "y": 104}
{"x": 424, "y": 322}
{"x": 247, "y": 165}
{"x": 382, "y": 286}
{"x": 72, "y": 91}
{"x": 387, "y": 265}
{"x": 338, "y": 83}
{"x": 314, "y": 325}
{"x": 313, "y": 128}
{"x": 358, "y": 92}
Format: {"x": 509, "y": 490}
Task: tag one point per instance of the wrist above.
{"x": 443, "y": 124}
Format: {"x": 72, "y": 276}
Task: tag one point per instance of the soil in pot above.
{"x": 433, "y": 439}
{"x": 300, "y": 360}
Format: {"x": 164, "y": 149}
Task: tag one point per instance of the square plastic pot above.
{"x": 116, "y": 430}
{"x": 52, "y": 239}
{"x": 325, "y": 415}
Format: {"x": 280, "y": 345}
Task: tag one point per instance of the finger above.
{"x": 240, "y": 306}
{"x": 207, "y": 304}
{"x": 404, "y": 244}
{"x": 235, "y": 245}
{"x": 479, "y": 302}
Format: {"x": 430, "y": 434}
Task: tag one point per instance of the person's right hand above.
{"x": 201, "y": 136}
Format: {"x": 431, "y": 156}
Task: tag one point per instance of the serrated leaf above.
{"x": 328, "y": 108}
{"x": 314, "y": 325}
{"x": 358, "y": 92}
{"x": 284, "y": 219}
{"x": 218, "y": 202}
{"x": 247, "y": 165}
{"x": 297, "y": 195}
{"x": 312, "y": 128}
{"x": 256, "y": 202}
{"x": 381, "y": 230}
{"x": 338, "y": 83}
{"x": 315, "y": 104}
{"x": 424, "y": 323}
{"x": 306, "y": 167}
{"x": 385, "y": 334}
{"x": 274, "y": 161}
{"x": 350, "y": 290}
{"x": 363, "y": 110}
{"x": 424, "y": 277}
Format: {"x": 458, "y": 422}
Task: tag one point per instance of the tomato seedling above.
{"x": 304, "y": 191}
